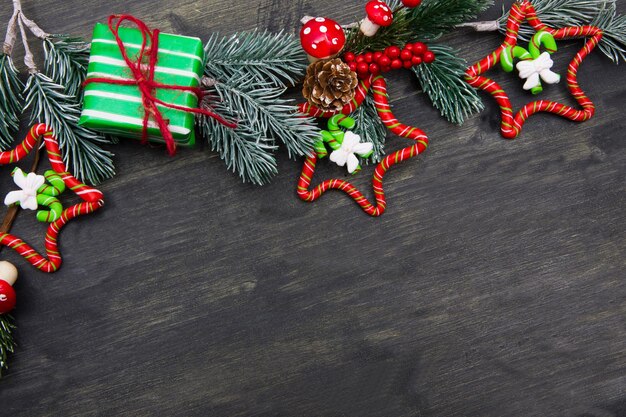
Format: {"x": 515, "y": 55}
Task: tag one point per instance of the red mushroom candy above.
{"x": 321, "y": 38}
{"x": 7, "y": 297}
{"x": 378, "y": 14}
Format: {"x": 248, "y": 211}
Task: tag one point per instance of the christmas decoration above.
{"x": 378, "y": 14}
{"x": 329, "y": 84}
{"x": 346, "y": 145}
{"x": 535, "y": 65}
{"x": 233, "y": 87}
{"x": 391, "y": 37}
{"x": 92, "y": 198}
{"x": 321, "y": 38}
{"x": 111, "y": 97}
{"x": 51, "y": 95}
{"x": 511, "y": 124}
{"x": 8, "y": 276}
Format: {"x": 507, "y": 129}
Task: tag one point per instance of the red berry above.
{"x": 384, "y": 61}
{"x": 377, "y": 55}
{"x": 407, "y": 64}
{"x": 7, "y": 297}
{"x": 352, "y": 66}
{"x": 408, "y": 46}
{"x": 393, "y": 52}
{"x": 416, "y": 60}
{"x": 360, "y": 58}
{"x": 369, "y": 57}
{"x": 429, "y": 57}
{"x": 396, "y": 64}
{"x": 411, "y": 3}
{"x": 419, "y": 48}
{"x": 349, "y": 57}
{"x": 374, "y": 69}
{"x": 385, "y": 68}
{"x": 362, "y": 68}
{"x": 406, "y": 55}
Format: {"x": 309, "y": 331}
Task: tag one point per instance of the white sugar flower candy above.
{"x": 29, "y": 184}
{"x": 532, "y": 69}
{"x": 350, "y": 146}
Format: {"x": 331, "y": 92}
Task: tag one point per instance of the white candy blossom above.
{"x": 350, "y": 147}
{"x": 531, "y": 70}
{"x": 29, "y": 184}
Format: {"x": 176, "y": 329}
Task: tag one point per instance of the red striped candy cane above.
{"x": 379, "y": 87}
{"x": 92, "y": 200}
{"x": 511, "y": 124}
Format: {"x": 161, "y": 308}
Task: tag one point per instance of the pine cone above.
{"x": 329, "y": 84}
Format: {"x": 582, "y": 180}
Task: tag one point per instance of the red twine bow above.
{"x": 144, "y": 80}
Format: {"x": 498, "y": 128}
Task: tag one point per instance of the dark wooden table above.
{"x": 493, "y": 285}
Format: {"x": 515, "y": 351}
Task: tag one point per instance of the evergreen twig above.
{"x": 443, "y": 82}
{"x": 429, "y": 21}
{"x": 66, "y": 61}
{"x": 266, "y": 57}
{"x": 10, "y": 101}
{"x": 262, "y": 117}
{"x": 370, "y": 127}
{"x": 81, "y": 150}
{"x": 7, "y": 344}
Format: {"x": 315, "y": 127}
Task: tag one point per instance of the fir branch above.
{"x": 429, "y": 21}
{"x": 80, "y": 147}
{"x": 443, "y": 82}
{"x": 266, "y": 57}
{"x": 244, "y": 150}
{"x": 562, "y": 13}
{"x": 370, "y": 127}
{"x": 7, "y": 344}
{"x": 262, "y": 117}
{"x": 10, "y": 101}
{"x": 66, "y": 61}
{"x": 613, "y": 43}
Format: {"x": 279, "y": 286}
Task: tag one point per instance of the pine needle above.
{"x": 66, "y": 61}
{"x": 7, "y": 344}
{"x": 80, "y": 147}
{"x": 10, "y": 101}
{"x": 443, "y": 82}
{"x": 263, "y": 118}
{"x": 266, "y": 57}
{"x": 370, "y": 127}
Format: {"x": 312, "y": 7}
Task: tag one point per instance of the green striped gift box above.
{"x": 117, "y": 109}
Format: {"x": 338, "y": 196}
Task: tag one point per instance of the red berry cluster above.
{"x": 374, "y": 63}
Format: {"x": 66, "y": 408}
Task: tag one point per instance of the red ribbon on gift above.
{"x": 144, "y": 80}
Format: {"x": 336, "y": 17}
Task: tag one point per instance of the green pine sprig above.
{"x": 66, "y": 60}
{"x": 7, "y": 344}
{"x": 562, "y": 13}
{"x": 81, "y": 149}
{"x": 10, "y": 101}
{"x": 443, "y": 82}
{"x": 262, "y": 118}
{"x": 266, "y": 57}
{"x": 427, "y": 22}
{"x": 370, "y": 127}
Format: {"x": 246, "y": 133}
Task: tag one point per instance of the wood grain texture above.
{"x": 492, "y": 286}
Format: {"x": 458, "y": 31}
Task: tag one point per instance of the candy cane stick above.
{"x": 511, "y": 124}
{"x": 379, "y": 86}
{"x": 92, "y": 200}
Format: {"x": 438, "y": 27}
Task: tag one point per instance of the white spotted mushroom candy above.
{"x": 321, "y": 38}
{"x": 378, "y": 14}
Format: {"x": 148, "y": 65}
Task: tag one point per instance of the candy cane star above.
{"x": 92, "y": 199}
{"x": 379, "y": 88}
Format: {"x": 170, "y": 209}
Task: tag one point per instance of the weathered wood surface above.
{"x": 493, "y": 285}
